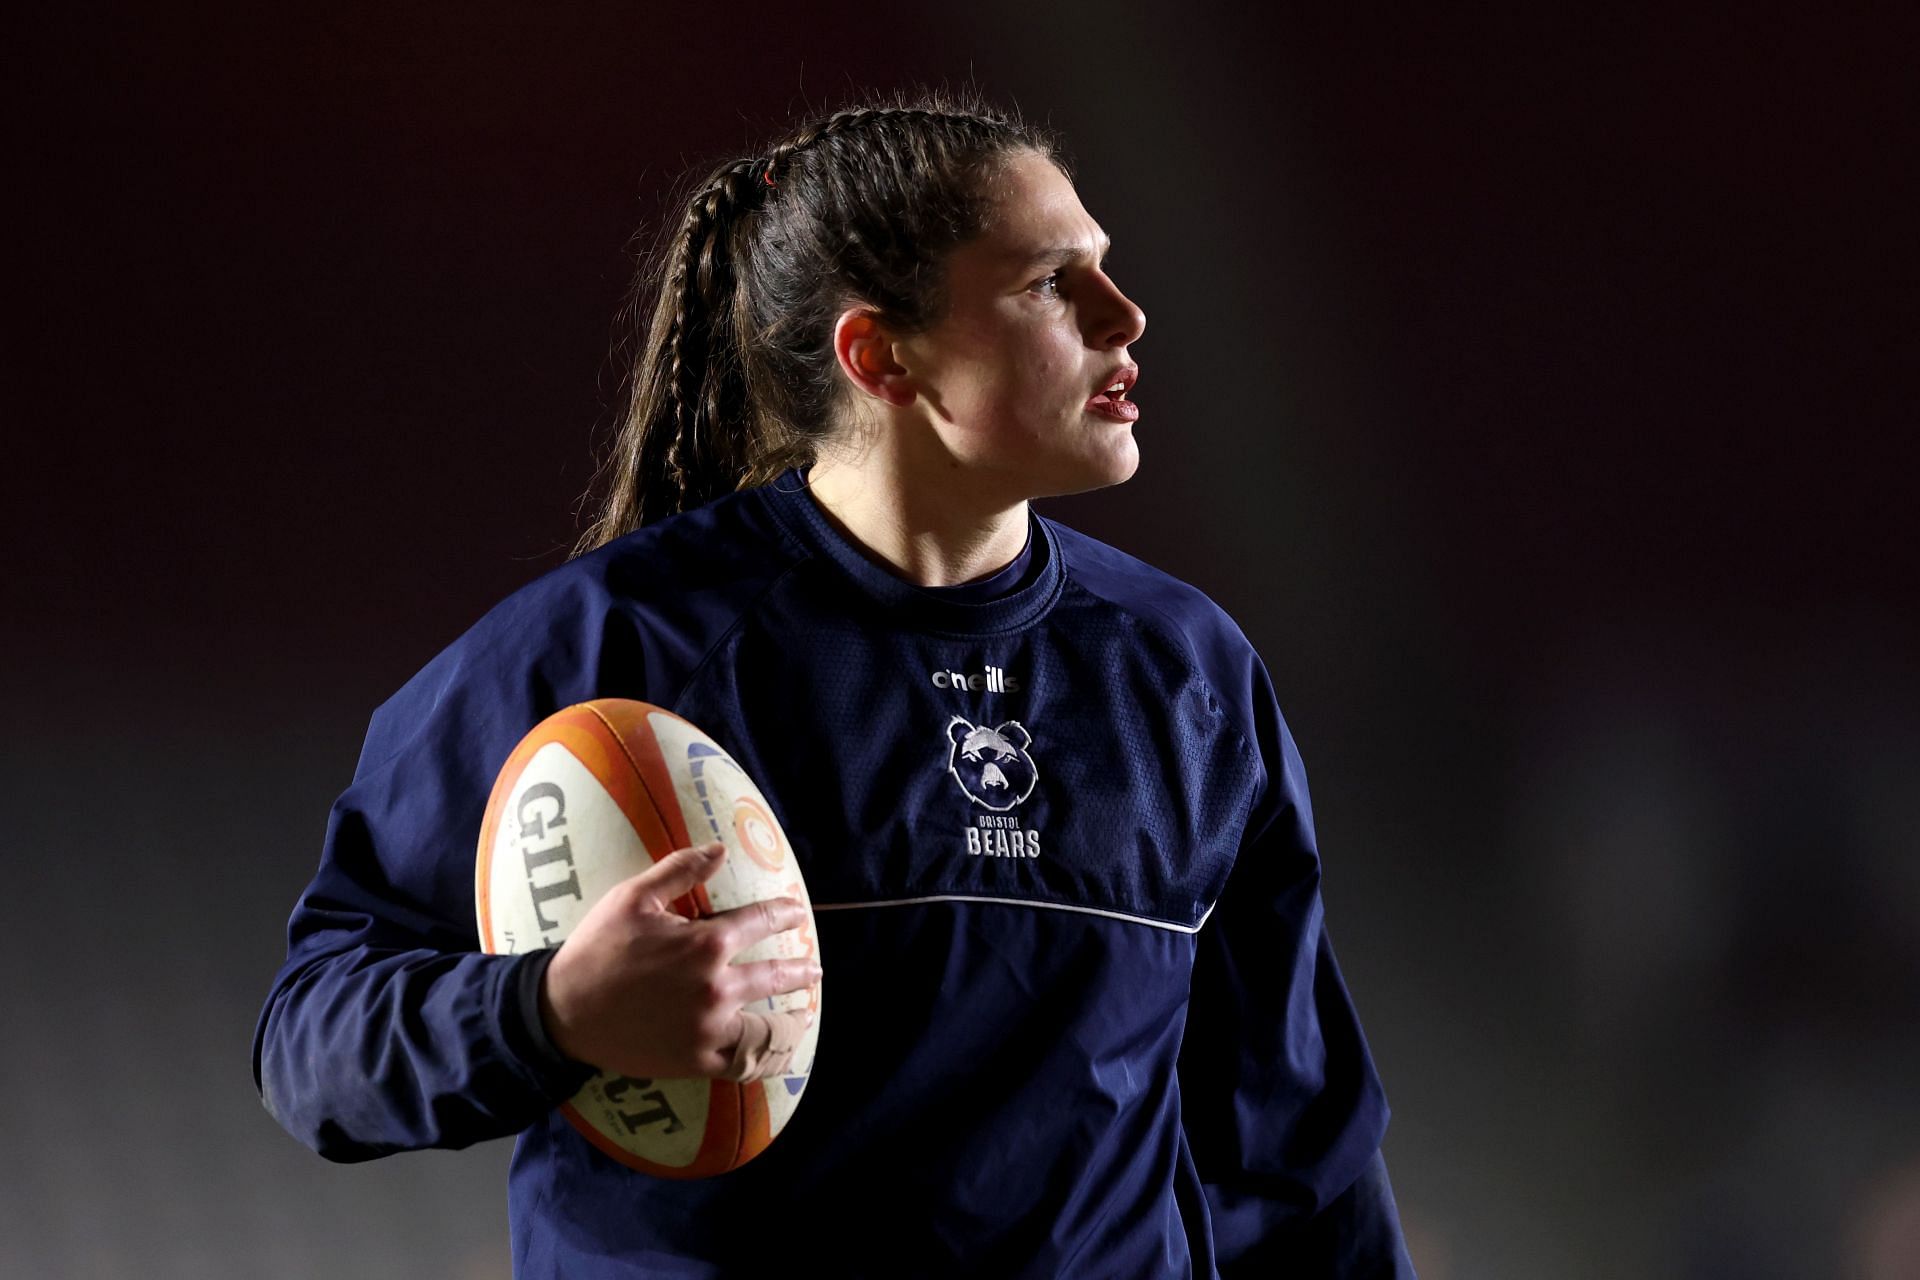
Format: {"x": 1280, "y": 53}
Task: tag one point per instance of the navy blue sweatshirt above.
{"x": 1086, "y": 1020}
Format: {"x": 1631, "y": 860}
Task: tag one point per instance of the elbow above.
{"x": 292, "y": 1091}
{"x": 291, "y": 1106}
{"x": 302, "y": 1112}
{"x": 331, "y": 1143}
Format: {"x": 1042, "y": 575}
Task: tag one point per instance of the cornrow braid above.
{"x": 701, "y": 286}
{"x": 736, "y": 379}
{"x": 852, "y": 118}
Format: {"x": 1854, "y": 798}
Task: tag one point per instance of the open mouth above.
{"x": 1115, "y": 391}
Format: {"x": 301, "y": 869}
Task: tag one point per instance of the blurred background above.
{"x": 1534, "y": 384}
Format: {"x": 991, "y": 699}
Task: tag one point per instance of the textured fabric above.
{"x": 1080, "y": 1014}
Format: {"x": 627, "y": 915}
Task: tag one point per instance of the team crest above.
{"x": 991, "y": 764}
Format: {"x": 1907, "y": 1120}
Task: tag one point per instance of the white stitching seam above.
{"x": 1018, "y": 902}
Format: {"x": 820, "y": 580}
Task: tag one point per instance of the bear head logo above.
{"x": 991, "y": 764}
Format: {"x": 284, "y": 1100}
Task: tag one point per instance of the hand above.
{"x": 640, "y": 990}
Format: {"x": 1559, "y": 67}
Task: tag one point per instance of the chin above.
{"x": 1093, "y": 473}
{"x": 1119, "y": 465}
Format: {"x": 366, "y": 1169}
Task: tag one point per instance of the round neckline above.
{"x": 793, "y": 504}
{"x": 996, "y": 584}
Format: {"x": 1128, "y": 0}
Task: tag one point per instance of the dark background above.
{"x": 1536, "y": 387}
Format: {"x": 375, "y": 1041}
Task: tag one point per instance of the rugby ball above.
{"x": 594, "y": 794}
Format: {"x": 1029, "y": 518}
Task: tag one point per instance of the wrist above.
{"x": 543, "y": 1042}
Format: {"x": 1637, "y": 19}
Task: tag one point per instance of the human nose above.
{"x": 1118, "y": 321}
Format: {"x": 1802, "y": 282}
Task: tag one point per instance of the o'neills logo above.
{"x": 992, "y": 680}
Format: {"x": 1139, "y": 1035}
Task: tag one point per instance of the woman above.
{"x": 1086, "y": 1019}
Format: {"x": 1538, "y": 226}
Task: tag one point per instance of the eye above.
{"x": 1050, "y": 286}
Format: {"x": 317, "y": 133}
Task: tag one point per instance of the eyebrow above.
{"x": 1061, "y": 253}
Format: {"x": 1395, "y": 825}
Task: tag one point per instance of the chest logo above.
{"x": 991, "y": 763}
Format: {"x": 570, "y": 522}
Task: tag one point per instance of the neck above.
{"x": 933, "y": 533}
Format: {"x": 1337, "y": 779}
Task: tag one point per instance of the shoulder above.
{"x": 1219, "y": 650}
{"x": 1187, "y": 616}
{"x": 639, "y": 610}
{"x": 1152, "y": 595}
{"x": 689, "y": 572}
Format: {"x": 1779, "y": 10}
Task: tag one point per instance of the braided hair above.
{"x": 736, "y": 379}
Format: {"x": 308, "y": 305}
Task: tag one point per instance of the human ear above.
{"x": 865, "y": 351}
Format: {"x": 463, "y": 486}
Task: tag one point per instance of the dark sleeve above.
{"x": 1283, "y": 1110}
{"x": 387, "y": 1029}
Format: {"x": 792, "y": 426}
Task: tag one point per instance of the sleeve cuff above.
{"x": 559, "y": 1076}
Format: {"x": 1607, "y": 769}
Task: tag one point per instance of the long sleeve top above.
{"x": 1081, "y": 1014}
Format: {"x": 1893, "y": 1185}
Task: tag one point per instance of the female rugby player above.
{"x": 1085, "y": 1019}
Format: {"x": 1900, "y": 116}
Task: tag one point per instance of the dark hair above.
{"x": 736, "y": 379}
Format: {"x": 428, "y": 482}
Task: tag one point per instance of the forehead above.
{"x": 1033, "y": 213}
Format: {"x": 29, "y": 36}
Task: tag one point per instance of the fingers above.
{"x": 762, "y": 979}
{"x": 741, "y": 927}
{"x": 677, "y": 873}
{"x": 766, "y": 1045}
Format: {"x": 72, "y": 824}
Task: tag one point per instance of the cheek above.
{"x": 1011, "y": 371}
{"x": 1042, "y": 361}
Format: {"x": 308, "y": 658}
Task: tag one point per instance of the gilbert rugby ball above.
{"x": 594, "y": 794}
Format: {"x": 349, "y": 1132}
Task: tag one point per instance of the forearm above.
{"x": 364, "y": 1053}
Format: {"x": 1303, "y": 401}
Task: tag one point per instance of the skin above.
{"x": 950, "y": 434}
{"x": 642, "y": 991}
{"x": 953, "y": 430}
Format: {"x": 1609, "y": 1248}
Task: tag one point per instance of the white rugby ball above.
{"x": 594, "y": 794}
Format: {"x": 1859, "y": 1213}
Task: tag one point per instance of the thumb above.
{"x": 766, "y": 1045}
{"x": 676, "y": 874}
